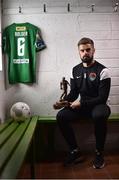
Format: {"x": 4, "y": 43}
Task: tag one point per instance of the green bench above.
{"x": 52, "y": 119}
{"x": 114, "y": 118}
{"x": 17, "y": 138}
{"x": 15, "y": 141}
{"x": 46, "y": 137}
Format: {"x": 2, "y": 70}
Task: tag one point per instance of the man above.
{"x": 90, "y": 80}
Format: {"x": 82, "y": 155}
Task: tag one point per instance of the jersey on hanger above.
{"x": 21, "y": 42}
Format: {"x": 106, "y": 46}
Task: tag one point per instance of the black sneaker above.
{"x": 98, "y": 162}
{"x": 73, "y": 157}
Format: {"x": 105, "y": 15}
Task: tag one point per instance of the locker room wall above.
{"x": 2, "y": 88}
{"x": 61, "y": 28}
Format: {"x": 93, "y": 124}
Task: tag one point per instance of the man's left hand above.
{"x": 75, "y": 105}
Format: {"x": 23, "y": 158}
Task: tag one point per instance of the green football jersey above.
{"x": 21, "y": 42}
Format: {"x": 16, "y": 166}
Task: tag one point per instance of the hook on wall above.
{"x": 116, "y": 7}
{"x": 44, "y": 8}
{"x": 20, "y": 9}
{"x": 68, "y": 7}
{"x": 92, "y": 7}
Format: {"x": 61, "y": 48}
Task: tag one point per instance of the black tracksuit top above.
{"x": 92, "y": 83}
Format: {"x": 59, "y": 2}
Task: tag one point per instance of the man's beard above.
{"x": 87, "y": 59}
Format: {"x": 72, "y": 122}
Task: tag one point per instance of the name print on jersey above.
{"x": 21, "y": 42}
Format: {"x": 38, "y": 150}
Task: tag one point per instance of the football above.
{"x": 20, "y": 111}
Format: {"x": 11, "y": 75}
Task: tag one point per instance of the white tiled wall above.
{"x": 61, "y": 31}
{"x": 0, "y": 40}
{"x": 2, "y": 88}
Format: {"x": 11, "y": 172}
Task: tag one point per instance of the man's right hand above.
{"x": 61, "y": 104}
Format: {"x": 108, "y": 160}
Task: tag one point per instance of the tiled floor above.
{"x": 55, "y": 170}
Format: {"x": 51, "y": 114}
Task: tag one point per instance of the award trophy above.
{"x": 62, "y": 102}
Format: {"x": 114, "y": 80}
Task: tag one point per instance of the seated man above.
{"x": 90, "y": 80}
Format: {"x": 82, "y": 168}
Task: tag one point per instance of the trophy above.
{"x": 62, "y": 102}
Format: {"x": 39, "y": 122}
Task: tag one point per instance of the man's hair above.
{"x": 85, "y": 40}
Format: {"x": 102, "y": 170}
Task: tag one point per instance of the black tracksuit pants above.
{"x": 99, "y": 115}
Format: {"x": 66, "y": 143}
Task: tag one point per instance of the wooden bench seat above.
{"x": 48, "y": 132}
{"x": 52, "y": 119}
{"x": 15, "y": 139}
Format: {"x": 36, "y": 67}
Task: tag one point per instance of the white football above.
{"x": 20, "y": 111}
